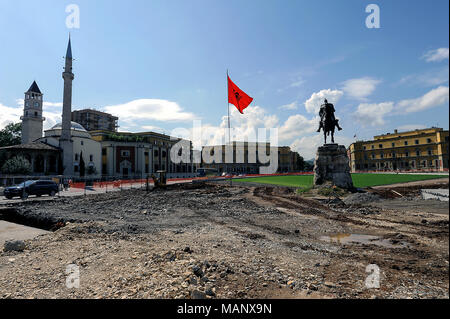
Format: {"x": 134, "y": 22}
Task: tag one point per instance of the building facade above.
{"x": 139, "y": 154}
{"x": 245, "y": 158}
{"x": 93, "y": 120}
{"x": 418, "y": 150}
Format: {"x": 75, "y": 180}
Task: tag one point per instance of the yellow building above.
{"x": 418, "y": 150}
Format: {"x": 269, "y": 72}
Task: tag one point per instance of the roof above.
{"x": 34, "y": 88}
{"x": 31, "y": 146}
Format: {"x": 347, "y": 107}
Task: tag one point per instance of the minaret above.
{"x": 65, "y": 142}
{"x": 32, "y": 120}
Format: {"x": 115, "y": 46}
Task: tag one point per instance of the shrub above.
{"x": 17, "y": 165}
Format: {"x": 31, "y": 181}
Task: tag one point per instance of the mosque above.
{"x": 62, "y": 148}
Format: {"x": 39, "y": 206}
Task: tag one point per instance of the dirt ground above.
{"x": 216, "y": 241}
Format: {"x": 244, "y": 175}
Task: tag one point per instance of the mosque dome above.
{"x": 76, "y": 130}
{"x": 73, "y": 126}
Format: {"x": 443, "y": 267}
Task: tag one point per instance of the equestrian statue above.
{"x": 327, "y": 120}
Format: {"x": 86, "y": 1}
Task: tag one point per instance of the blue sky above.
{"x": 161, "y": 64}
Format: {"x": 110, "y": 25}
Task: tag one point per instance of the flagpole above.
{"x": 229, "y": 124}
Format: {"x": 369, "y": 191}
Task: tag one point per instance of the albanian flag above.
{"x": 237, "y": 97}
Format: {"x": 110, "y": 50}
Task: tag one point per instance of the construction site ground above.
{"x": 220, "y": 241}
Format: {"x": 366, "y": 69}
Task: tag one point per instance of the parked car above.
{"x": 27, "y": 188}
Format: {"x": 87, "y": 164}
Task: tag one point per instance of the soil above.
{"x": 228, "y": 242}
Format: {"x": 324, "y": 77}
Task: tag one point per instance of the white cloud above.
{"x": 429, "y": 78}
{"x": 313, "y": 104}
{"x": 372, "y": 114}
{"x": 291, "y": 106}
{"x": 360, "y": 88}
{"x": 9, "y": 115}
{"x": 150, "y": 109}
{"x": 436, "y": 55}
{"x": 307, "y": 146}
{"x": 297, "y": 125}
{"x": 431, "y": 99}
{"x": 13, "y": 114}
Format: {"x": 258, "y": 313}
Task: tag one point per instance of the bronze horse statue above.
{"x": 327, "y": 121}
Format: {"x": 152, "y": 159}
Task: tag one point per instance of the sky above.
{"x": 160, "y": 65}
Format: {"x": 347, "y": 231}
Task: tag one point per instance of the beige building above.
{"x": 139, "y": 154}
{"x": 93, "y": 120}
{"x": 423, "y": 150}
{"x": 245, "y": 159}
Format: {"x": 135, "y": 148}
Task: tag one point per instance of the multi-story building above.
{"x": 246, "y": 159}
{"x": 93, "y": 120}
{"x": 424, "y": 150}
{"x": 139, "y": 154}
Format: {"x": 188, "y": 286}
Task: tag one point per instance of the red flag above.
{"x": 237, "y": 97}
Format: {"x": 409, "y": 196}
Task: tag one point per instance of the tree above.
{"x": 299, "y": 162}
{"x": 17, "y": 165}
{"x": 11, "y": 135}
{"x": 82, "y": 165}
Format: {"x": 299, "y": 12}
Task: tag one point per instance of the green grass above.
{"x": 359, "y": 180}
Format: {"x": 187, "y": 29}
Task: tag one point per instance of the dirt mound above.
{"x": 361, "y": 198}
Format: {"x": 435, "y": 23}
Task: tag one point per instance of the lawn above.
{"x": 359, "y": 180}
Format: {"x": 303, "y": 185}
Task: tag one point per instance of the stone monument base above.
{"x": 332, "y": 165}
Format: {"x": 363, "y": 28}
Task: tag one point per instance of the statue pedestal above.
{"x": 332, "y": 165}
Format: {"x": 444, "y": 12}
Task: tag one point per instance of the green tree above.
{"x": 16, "y": 165}
{"x": 11, "y": 135}
{"x": 82, "y": 165}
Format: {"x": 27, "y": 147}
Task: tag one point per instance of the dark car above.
{"x": 37, "y": 188}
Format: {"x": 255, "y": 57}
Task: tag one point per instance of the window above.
{"x": 82, "y": 142}
{"x": 381, "y": 155}
{"x": 36, "y": 104}
{"x": 380, "y": 145}
{"x": 417, "y": 153}
{"x": 428, "y": 140}
{"x": 430, "y": 152}
{"x": 27, "y": 104}
{"x": 76, "y": 157}
{"x": 417, "y": 142}
{"x": 373, "y": 156}
{"x": 35, "y": 113}
{"x": 406, "y": 142}
{"x": 91, "y": 158}
{"x": 373, "y": 146}
{"x": 163, "y": 154}
{"x": 364, "y": 147}
{"x": 394, "y": 155}
{"x": 156, "y": 153}
{"x": 406, "y": 153}
{"x": 125, "y": 153}
{"x": 393, "y": 144}
{"x": 103, "y": 151}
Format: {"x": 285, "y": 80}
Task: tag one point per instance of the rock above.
{"x": 210, "y": 292}
{"x": 187, "y": 250}
{"x": 198, "y": 295}
{"x": 297, "y": 231}
{"x": 331, "y": 165}
{"x": 14, "y": 245}
{"x": 192, "y": 281}
{"x": 197, "y": 271}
